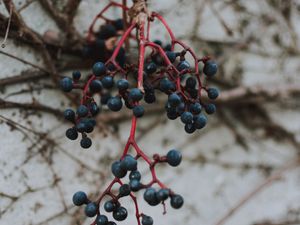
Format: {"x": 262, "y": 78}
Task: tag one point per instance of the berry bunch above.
{"x": 128, "y": 165}
{"x": 122, "y": 82}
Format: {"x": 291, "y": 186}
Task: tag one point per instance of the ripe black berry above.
{"x": 135, "y": 94}
{"x": 171, "y": 55}
{"x": 135, "y": 175}
{"x": 107, "y": 82}
{"x": 69, "y": 114}
{"x": 186, "y": 117}
{"x": 129, "y": 163}
{"x": 99, "y": 69}
{"x": 101, "y": 220}
{"x": 174, "y": 99}
{"x": 80, "y": 198}
{"x": 122, "y": 84}
{"x": 82, "y": 111}
{"x": 135, "y": 185}
{"x": 210, "y": 108}
{"x": 66, "y": 84}
{"x": 200, "y": 121}
{"x": 166, "y": 85}
{"x": 176, "y": 201}
{"x": 189, "y": 128}
{"x": 212, "y": 93}
{"x": 150, "y": 196}
{"x": 117, "y": 170}
{"x": 195, "y": 108}
{"x": 91, "y": 209}
{"x": 76, "y": 75}
{"x": 138, "y": 111}
{"x": 115, "y": 104}
{"x": 183, "y": 65}
{"x": 71, "y": 133}
{"x": 124, "y": 190}
{"x": 174, "y": 157}
{"x": 210, "y": 68}
{"x": 147, "y": 220}
{"x": 85, "y": 142}
{"x": 151, "y": 68}
{"x": 191, "y": 83}
{"x": 120, "y": 214}
{"x": 110, "y": 206}
{"x": 95, "y": 86}
{"x": 162, "y": 194}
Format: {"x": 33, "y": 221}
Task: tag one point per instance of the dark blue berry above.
{"x": 76, "y": 75}
{"x": 115, "y": 104}
{"x": 168, "y": 47}
{"x": 210, "y": 68}
{"x": 69, "y": 114}
{"x": 91, "y": 209}
{"x": 135, "y": 175}
{"x": 149, "y": 97}
{"x": 85, "y": 142}
{"x": 122, "y": 84}
{"x": 183, "y": 65}
{"x": 212, "y": 93}
{"x": 176, "y": 201}
{"x": 110, "y": 206}
{"x": 95, "y": 86}
{"x": 191, "y": 83}
{"x": 107, "y": 82}
{"x": 99, "y": 69}
{"x": 135, "y": 94}
{"x": 195, "y": 108}
{"x": 66, "y": 84}
{"x": 94, "y": 109}
{"x": 71, "y": 133}
{"x": 124, "y": 190}
{"x": 120, "y": 214}
{"x": 82, "y": 111}
{"x": 186, "y": 117}
{"x": 80, "y": 198}
{"x": 118, "y": 24}
{"x": 81, "y": 127}
{"x": 101, "y": 220}
{"x": 174, "y": 157}
{"x": 172, "y": 115}
{"x": 189, "y": 128}
{"x": 158, "y": 42}
{"x": 200, "y": 121}
{"x": 171, "y": 55}
{"x": 117, "y": 170}
{"x": 150, "y": 196}
{"x": 151, "y": 68}
{"x": 193, "y": 93}
{"x": 210, "y": 108}
{"x": 147, "y": 220}
{"x": 174, "y": 99}
{"x": 180, "y": 108}
{"x": 135, "y": 185}
{"x": 166, "y": 85}
{"x": 129, "y": 163}
{"x": 162, "y": 194}
{"x": 107, "y": 31}
{"x": 138, "y": 111}
{"x": 111, "y": 223}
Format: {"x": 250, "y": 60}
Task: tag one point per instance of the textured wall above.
{"x": 38, "y": 177}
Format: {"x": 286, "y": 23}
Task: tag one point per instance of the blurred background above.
{"x": 242, "y": 169}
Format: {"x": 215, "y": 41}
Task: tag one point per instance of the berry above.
{"x": 186, "y": 117}
{"x": 111, "y": 223}
{"x": 150, "y": 196}
{"x": 80, "y": 198}
{"x": 191, "y": 83}
{"x": 149, "y": 97}
{"x": 95, "y": 86}
{"x": 104, "y": 98}
{"x": 115, "y": 104}
{"x": 129, "y": 163}
{"x": 195, "y": 108}
{"x": 120, "y": 214}
{"x": 166, "y": 85}
{"x": 107, "y": 31}
{"x": 210, "y": 108}
{"x": 174, "y": 99}
{"x": 91, "y": 209}
{"x": 151, "y": 68}
{"x": 122, "y": 84}
{"x": 147, "y": 220}
{"x": 82, "y": 111}
{"x": 81, "y": 127}
{"x": 200, "y": 121}
{"x": 135, "y": 94}
{"x": 138, "y": 111}
{"x": 189, "y": 128}
{"x": 135, "y": 175}
{"x": 172, "y": 115}
{"x": 176, "y": 201}
{"x": 135, "y": 185}
{"x": 101, "y": 220}
{"x": 180, "y": 109}
{"x": 183, "y": 65}
{"x": 76, "y": 75}
{"x": 168, "y": 47}
{"x": 110, "y": 206}
{"x": 69, "y": 114}
{"x": 124, "y": 190}
{"x": 162, "y": 194}
{"x": 94, "y": 109}
{"x": 66, "y": 84}
{"x": 86, "y": 142}
{"x": 99, "y": 69}
{"x": 171, "y": 56}
{"x": 71, "y": 133}
{"x": 210, "y": 68}
{"x": 117, "y": 170}
{"x": 174, "y": 157}
{"x": 118, "y": 24}
{"x": 212, "y": 93}
{"x": 158, "y": 42}
{"x": 108, "y": 82}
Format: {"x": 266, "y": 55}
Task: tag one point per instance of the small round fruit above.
{"x": 115, "y": 104}
{"x": 66, "y": 84}
{"x": 91, "y": 209}
{"x": 176, "y": 201}
{"x": 147, "y": 220}
{"x": 117, "y": 170}
{"x": 86, "y": 142}
{"x": 135, "y": 94}
{"x": 99, "y": 69}
{"x": 80, "y": 198}
{"x": 110, "y": 206}
{"x": 174, "y": 157}
{"x": 120, "y": 214}
{"x": 138, "y": 111}
{"x": 101, "y": 220}
{"x": 210, "y": 68}
{"x": 72, "y": 133}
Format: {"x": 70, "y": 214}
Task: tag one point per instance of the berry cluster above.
{"x": 129, "y": 165}
{"x": 132, "y": 83}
